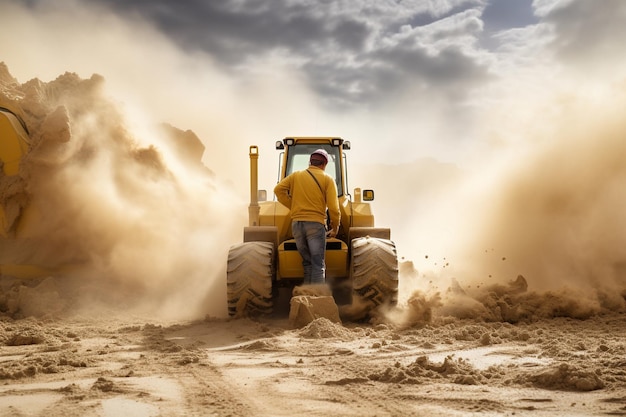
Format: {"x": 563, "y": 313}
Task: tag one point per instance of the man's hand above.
{"x": 333, "y": 232}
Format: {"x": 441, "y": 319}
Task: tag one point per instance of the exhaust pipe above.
{"x": 253, "y": 208}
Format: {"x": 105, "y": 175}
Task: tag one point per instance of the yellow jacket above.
{"x": 300, "y": 193}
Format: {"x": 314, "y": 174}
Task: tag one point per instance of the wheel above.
{"x": 249, "y": 279}
{"x": 374, "y": 271}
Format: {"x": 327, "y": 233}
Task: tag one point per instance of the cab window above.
{"x": 300, "y": 154}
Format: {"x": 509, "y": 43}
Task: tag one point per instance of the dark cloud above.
{"x": 450, "y": 69}
{"x": 232, "y": 30}
{"x": 350, "y": 53}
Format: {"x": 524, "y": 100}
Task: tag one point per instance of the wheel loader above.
{"x": 361, "y": 261}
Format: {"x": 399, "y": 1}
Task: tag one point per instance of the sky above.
{"x": 449, "y": 104}
{"x": 386, "y": 74}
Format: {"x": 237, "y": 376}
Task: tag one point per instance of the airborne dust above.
{"x": 537, "y": 232}
{"x": 142, "y": 224}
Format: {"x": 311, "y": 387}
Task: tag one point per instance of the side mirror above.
{"x": 368, "y": 195}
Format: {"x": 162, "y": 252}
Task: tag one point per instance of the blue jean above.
{"x": 311, "y": 243}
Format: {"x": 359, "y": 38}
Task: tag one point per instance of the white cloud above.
{"x": 545, "y": 7}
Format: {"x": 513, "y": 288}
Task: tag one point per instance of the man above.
{"x": 307, "y": 193}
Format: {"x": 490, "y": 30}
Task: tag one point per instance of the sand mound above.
{"x": 324, "y": 328}
{"x": 567, "y": 377}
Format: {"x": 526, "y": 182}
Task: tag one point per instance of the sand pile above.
{"x": 324, "y": 328}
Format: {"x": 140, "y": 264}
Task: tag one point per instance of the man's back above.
{"x": 307, "y": 198}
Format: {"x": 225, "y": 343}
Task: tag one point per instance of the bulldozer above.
{"x": 15, "y": 141}
{"x": 14, "y": 145}
{"x": 361, "y": 261}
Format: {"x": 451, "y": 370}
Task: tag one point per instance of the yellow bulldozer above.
{"x": 14, "y": 145}
{"x": 24, "y": 251}
{"x": 15, "y": 142}
{"x": 361, "y": 261}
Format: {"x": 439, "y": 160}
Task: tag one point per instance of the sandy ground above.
{"x": 103, "y": 365}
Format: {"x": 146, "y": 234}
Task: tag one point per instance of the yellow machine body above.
{"x": 14, "y": 143}
{"x": 15, "y": 245}
{"x": 270, "y": 221}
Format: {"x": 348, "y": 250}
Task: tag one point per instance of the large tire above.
{"x": 249, "y": 279}
{"x": 374, "y": 271}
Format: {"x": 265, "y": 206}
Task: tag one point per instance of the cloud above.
{"x": 439, "y": 54}
{"x": 339, "y": 47}
{"x": 586, "y": 35}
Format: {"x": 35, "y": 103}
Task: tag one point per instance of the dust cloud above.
{"x": 555, "y": 214}
{"x": 130, "y": 207}
{"x": 536, "y": 231}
